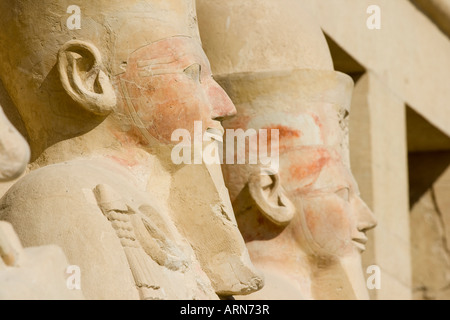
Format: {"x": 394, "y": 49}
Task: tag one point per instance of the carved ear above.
{"x": 80, "y": 71}
{"x": 266, "y": 190}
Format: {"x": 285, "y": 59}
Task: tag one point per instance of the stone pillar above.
{"x": 378, "y": 154}
{"x": 430, "y": 228}
{"x": 429, "y": 174}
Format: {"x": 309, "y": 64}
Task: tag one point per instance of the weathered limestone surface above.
{"x": 32, "y": 273}
{"x": 298, "y": 93}
{"x": 99, "y": 105}
{"x": 378, "y": 154}
{"x": 430, "y": 225}
{"x": 405, "y": 32}
{"x": 14, "y": 152}
{"x": 438, "y": 11}
{"x": 312, "y": 210}
{"x": 261, "y": 36}
{"x": 407, "y": 38}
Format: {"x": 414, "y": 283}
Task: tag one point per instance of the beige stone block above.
{"x": 441, "y": 195}
{"x": 405, "y": 32}
{"x": 438, "y": 11}
{"x": 425, "y": 168}
{"x": 392, "y": 289}
{"x": 423, "y": 136}
{"x": 360, "y": 140}
{"x": 368, "y": 258}
{"x": 378, "y": 158}
{"x": 443, "y": 294}
{"x": 431, "y": 260}
{"x": 383, "y": 179}
{"x": 393, "y": 255}
{"x": 389, "y": 159}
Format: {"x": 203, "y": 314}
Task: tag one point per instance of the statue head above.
{"x": 313, "y": 201}
{"x": 139, "y": 55}
{"x": 136, "y": 70}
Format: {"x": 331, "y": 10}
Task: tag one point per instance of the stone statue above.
{"x": 304, "y": 224}
{"x": 32, "y": 273}
{"x": 15, "y": 153}
{"x": 100, "y": 102}
{"x": 38, "y": 273}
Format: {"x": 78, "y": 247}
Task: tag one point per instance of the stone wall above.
{"x": 399, "y": 119}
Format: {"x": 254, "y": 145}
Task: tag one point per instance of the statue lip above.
{"x": 360, "y": 242}
{"x": 216, "y": 132}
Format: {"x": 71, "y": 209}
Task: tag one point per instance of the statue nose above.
{"x": 366, "y": 218}
{"x": 222, "y": 107}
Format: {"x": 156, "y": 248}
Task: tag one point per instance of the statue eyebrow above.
{"x": 155, "y": 61}
{"x": 156, "y": 72}
{"x": 164, "y": 65}
{"x": 316, "y": 192}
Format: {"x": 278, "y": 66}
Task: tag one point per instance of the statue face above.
{"x": 167, "y": 86}
{"x": 332, "y": 215}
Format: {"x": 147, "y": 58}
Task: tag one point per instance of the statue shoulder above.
{"x": 56, "y": 205}
{"x": 60, "y": 181}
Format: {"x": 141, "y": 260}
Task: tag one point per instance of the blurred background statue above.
{"x": 305, "y": 223}
{"x": 32, "y": 273}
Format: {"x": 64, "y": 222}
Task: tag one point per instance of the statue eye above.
{"x": 344, "y": 193}
{"x": 194, "y": 72}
